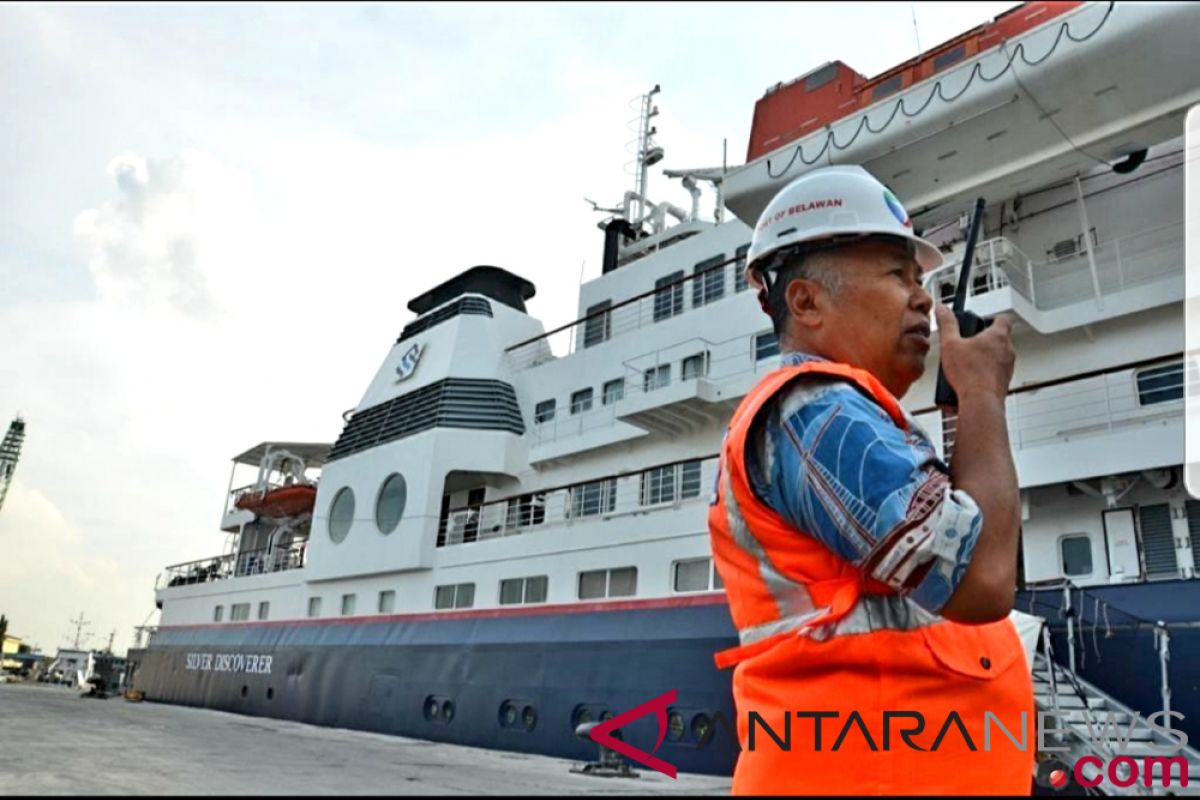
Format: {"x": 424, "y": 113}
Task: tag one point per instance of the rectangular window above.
{"x": 314, "y": 606}
{"x": 597, "y": 329}
{"x": 387, "y": 602}
{"x": 1160, "y": 384}
{"x": 514, "y": 591}
{"x": 668, "y": 298}
{"x": 614, "y": 390}
{"x": 581, "y": 401}
{"x": 884, "y": 88}
{"x": 601, "y": 583}
{"x": 544, "y": 411}
{"x": 239, "y": 612}
{"x": 765, "y": 346}
{"x": 595, "y": 497}
{"x": 461, "y": 595}
{"x": 689, "y": 481}
{"x": 693, "y": 575}
{"x": 264, "y": 609}
{"x": 593, "y": 585}
{"x": 656, "y": 377}
{"x": 820, "y": 77}
{"x": 951, "y": 56}
{"x": 218, "y": 612}
{"x": 348, "y": 601}
{"x": 708, "y": 283}
{"x": 526, "y": 510}
{"x": 622, "y": 582}
{"x": 740, "y": 284}
{"x": 535, "y": 589}
{"x": 694, "y": 367}
{"x": 658, "y": 485}
{"x": 1076, "y": 551}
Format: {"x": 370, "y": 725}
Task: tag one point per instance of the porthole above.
{"x": 447, "y": 711}
{"x": 245, "y": 690}
{"x": 529, "y": 717}
{"x": 389, "y": 506}
{"x": 583, "y": 715}
{"x": 508, "y": 714}
{"x": 270, "y": 693}
{"x": 605, "y": 715}
{"x": 432, "y": 708}
{"x": 675, "y": 726}
{"x": 341, "y": 514}
{"x": 700, "y": 726}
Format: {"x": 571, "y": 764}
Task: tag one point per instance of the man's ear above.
{"x": 801, "y": 296}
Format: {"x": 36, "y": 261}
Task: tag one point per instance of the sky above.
{"x": 212, "y": 217}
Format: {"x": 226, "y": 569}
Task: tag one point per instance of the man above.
{"x": 869, "y": 582}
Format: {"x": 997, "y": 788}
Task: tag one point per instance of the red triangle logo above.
{"x": 600, "y": 733}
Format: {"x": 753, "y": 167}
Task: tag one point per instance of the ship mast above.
{"x": 10, "y": 453}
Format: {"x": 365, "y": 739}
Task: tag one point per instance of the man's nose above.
{"x": 922, "y": 300}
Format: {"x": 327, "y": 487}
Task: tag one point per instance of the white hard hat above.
{"x": 832, "y": 203}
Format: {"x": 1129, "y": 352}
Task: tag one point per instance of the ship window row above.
{"x": 688, "y": 575}
{"x": 766, "y": 345}
{"x": 240, "y": 612}
{"x": 708, "y": 284}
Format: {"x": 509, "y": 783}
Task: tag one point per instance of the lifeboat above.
{"x": 286, "y": 501}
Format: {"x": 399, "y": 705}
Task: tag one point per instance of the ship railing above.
{"x": 1122, "y": 263}
{"x": 200, "y": 571}
{"x": 998, "y": 263}
{"x": 663, "y": 487}
{"x": 1093, "y": 405}
{"x": 695, "y": 289}
{"x": 270, "y": 559}
{"x": 233, "y": 565}
{"x": 1078, "y": 609}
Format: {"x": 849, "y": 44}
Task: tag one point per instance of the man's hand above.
{"x": 981, "y": 364}
{"x": 980, "y": 369}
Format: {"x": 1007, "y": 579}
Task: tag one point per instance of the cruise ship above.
{"x": 509, "y": 538}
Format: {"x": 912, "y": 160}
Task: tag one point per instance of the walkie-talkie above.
{"x": 969, "y": 324}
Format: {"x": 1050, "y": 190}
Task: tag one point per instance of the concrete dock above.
{"x": 56, "y": 742}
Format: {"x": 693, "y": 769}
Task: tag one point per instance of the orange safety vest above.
{"x": 819, "y": 636}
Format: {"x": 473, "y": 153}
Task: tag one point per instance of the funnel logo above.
{"x": 897, "y": 210}
{"x": 601, "y": 733}
{"x": 408, "y": 362}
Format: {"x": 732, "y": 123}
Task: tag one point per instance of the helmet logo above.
{"x": 897, "y": 210}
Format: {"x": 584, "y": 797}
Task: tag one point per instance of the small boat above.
{"x": 286, "y": 501}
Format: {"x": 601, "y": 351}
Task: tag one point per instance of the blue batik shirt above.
{"x": 829, "y": 460}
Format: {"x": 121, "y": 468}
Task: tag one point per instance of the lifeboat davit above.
{"x": 286, "y": 501}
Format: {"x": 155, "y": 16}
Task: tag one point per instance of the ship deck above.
{"x": 56, "y": 742}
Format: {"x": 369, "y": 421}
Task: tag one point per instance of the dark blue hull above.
{"x": 381, "y": 674}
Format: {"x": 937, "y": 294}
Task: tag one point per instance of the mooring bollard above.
{"x": 611, "y": 764}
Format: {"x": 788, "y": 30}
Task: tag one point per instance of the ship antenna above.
{"x": 916, "y": 32}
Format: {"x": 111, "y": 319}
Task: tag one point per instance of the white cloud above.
{"x": 142, "y": 245}
{"x": 54, "y": 577}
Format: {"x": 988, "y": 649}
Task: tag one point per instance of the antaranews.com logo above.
{"x": 894, "y": 729}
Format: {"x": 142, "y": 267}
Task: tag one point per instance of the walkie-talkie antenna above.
{"x": 964, "y": 275}
{"x": 968, "y": 323}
